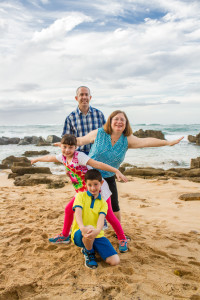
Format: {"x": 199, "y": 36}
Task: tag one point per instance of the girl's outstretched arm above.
{"x": 46, "y": 158}
{"x": 135, "y": 142}
{"x": 99, "y": 165}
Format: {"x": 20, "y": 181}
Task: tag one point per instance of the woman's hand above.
{"x": 120, "y": 176}
{"x": 174, "y": 142}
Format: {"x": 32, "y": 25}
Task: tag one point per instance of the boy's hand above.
{"x": 57, "y": 144}
{"x": 120, "y": 176}
{"x": 92, "y": 233}
{"x": 86, "y": 229}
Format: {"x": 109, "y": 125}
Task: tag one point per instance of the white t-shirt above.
{"x": 79, "y": 161}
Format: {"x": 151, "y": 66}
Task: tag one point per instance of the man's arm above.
{"x": 46, "y": 158}
{"x": 67, "y": 129}
{"x": 135, "y": 142}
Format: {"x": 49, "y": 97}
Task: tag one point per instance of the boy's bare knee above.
{"x": 113, "y": 260}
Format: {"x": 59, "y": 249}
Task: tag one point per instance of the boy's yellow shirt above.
{"x": 90, "y": 211}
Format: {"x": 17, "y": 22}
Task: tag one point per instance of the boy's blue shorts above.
{"x": 101, "y": 245}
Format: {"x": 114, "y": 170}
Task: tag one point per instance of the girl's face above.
{"x": 118, "y": 123}
{"x": 68, "y": 150}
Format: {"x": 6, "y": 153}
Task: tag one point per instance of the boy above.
{"x": 90, "y": 211}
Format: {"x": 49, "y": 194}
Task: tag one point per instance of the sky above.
{"x": 140, "y": 56}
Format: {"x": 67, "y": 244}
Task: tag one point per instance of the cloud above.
{"x": 60, "y": 27}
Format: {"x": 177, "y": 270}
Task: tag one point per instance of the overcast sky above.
{"x": 140, "y": 56}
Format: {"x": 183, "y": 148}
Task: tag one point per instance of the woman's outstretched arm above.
{"x": 87, "y": 139}
{"x": 135, "y": 142}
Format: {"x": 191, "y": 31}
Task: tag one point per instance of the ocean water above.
{"x": 163, "y": 157}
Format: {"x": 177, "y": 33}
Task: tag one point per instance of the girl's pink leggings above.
{"x": 110, "y": 217}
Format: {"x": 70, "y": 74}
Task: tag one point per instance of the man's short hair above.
{"x": 93, "y": 174}
{"x": 82, "y": 86}
{"x": 69, "y": 139}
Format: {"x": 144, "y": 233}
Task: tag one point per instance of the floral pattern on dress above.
{"x": 76, "y": 173}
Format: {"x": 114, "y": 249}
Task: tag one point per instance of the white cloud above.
{"x": 60, "y": 27}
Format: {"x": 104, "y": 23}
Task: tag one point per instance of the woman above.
{"x": 110, "y": 144}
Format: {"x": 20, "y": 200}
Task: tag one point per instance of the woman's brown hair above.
{"x": 107, "y": 127}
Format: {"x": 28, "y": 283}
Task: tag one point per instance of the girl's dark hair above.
{"x": 93, "y": 175}
{"x": 69, "y": 139}
{"x": 107, "y": 127}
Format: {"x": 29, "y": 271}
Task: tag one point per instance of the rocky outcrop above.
{"x": 190, "y": 197}
{"x": 28, "y": 140}
{"x": 194, "y": 139}
{"x": 195, "y": 163}
{"x": 53, "y": 139}
{"x": 8, "y": 161}
{"x": 30, "y": 170}
{"x": 53, "y": 181}
{"x": 149, "y": 133}
{"x": 3, "y": 167}
{"x": 35, "y": 153}
{"x": 5, "y": 140}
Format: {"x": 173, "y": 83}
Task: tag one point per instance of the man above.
{"x": 84, "y": 119}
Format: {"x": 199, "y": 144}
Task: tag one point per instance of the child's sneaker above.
{"x": 60, "y": 239}
{"x": 105, "y": 226}
{"x": 90, "y": 260}
{"x": 123, "y": 247}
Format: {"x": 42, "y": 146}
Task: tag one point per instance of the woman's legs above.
{"x": 69, "y": 215}
{"x": 114, "y": 197}
{"x": 111, "y": 218}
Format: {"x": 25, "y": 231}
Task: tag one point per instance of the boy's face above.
{"x": 68, "y": 150}
{"x": 94, "y": 187}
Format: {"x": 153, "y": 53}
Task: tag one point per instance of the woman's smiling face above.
{"x": 118, "y": 123}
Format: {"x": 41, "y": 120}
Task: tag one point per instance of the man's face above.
{"x": 83, "y": 98}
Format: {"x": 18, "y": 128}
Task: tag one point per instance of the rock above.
{"x": 126, "y": 165}
{"x": 35, "y": 153}
{"x": 21, "y": 164}
{"x": 23, "y": 142}
{"x": 3, "y": 167}
{"x": 56, "y": 185}
{"x": 6, "y": 141}
{"x": 192, "y": 138}
{"x": 195, "y": 163}
{"x": 43, "y": 144}
{"x": 12, "y": 175}
{"x": 11, "y": 159}
{"x": 144, "y": 172}
{"x": 34, "y": 179}
{"x": 30, "y": 170}
{"x": 149, "y": 133}
{"x": 190, "y": 197}
{"x": 53, "y": 139}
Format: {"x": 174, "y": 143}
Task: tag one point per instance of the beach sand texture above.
{"x": 163, "y": 261}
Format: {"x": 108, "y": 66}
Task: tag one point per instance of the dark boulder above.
{"x": 35, "y": 153}
{"x": 35, "y": 179}
{"x": 190, "y": 197}
{"x": 30, "y": 170}
{"x": 11, "y": 159}
{"x": 149, "y": 133}
{"x": 3, "y": 167}
{"x": 195, "y": 163}
{"x": 53, "y": 139}
{"x": 6, "y": 141}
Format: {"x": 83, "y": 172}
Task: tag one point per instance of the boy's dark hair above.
{"x": 69, "y": 139}
{"x": 93, "y": 175}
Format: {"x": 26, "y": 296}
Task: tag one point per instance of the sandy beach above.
{"x": 163, "y": 261}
